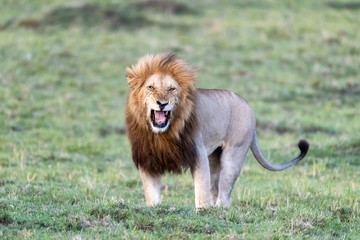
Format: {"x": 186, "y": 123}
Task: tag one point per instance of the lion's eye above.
{"x": 170, "y": 89}
{"x": 151, "y": 88}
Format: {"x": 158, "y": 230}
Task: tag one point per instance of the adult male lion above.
{"x": 172, "y": 125}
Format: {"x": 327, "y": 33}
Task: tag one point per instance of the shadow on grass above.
{"x": 164, "y": 6}
{"x": 88, "y": 15}
{"x": 135, "y": 15}
{"x": 284, "y": 129}
{"x": 345, "y": 5}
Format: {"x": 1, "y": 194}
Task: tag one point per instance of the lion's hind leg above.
{"x": 232, "y": 159}
{"x": 214, "y": 162}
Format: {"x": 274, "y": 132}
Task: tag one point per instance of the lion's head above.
{"x": 162, "y": 92}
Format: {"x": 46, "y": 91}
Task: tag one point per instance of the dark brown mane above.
{"x": 160, "y": 153}
{"x": 174, "y": 149}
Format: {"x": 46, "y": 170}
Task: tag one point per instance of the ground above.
{"x": 65, "y": 162}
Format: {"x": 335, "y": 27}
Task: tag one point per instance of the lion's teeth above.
{"x": 166, "y": 113}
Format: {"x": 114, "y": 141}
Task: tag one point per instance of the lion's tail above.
{"x": 303, "y": 146}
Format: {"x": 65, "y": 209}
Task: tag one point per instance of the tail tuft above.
{"x": 304, "y": 147}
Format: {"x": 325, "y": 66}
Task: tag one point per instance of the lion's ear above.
{"x": 130, "y": 76}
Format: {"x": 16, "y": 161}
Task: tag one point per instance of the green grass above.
{"x": 65, "y": 163}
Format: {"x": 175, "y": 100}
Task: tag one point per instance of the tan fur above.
{"x": 209, "y": 131}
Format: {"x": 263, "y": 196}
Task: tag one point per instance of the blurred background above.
{"x": 63, "y": 89}
{"x": 63, "y": 62}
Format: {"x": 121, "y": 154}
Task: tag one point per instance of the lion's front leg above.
{"x": 201, "y": 176}
{"x": 152, "y": 186}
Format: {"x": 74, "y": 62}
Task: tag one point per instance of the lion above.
{"x": 173, "y": 126}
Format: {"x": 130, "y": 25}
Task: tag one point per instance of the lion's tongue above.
{"x": 159, "y": 116}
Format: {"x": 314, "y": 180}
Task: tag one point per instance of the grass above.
{"x": 65, "y": 164}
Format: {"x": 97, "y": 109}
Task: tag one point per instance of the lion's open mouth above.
{"x": 160, "y": 118}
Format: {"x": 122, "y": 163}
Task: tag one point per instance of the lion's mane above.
{"x": 174, "y": 149}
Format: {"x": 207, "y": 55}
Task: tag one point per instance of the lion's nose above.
{"x": 162, "y": 105}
